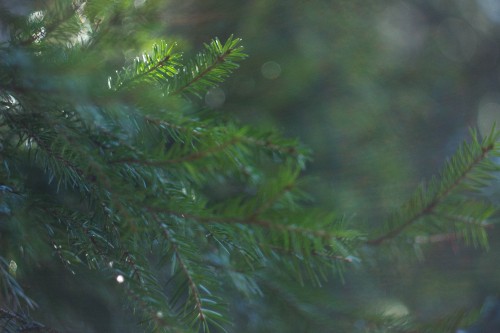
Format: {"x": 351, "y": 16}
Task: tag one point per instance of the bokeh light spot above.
{"x": 488, "y": 113}
{"x": 139, "y": 3}
{"x": 491, "y": 9}
{"x": 391, "y": 308}
{"x": 215, "y": 98}
{"x": 271, "y": 70}
{"x": 402, "y": 30}
{"x": 456, "y": 39}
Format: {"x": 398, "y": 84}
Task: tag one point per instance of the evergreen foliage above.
{"x": 123, "y": 170}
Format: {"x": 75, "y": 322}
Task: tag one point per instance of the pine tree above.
{"x": 116, "y": 165}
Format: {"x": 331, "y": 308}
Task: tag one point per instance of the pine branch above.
{"x": 209, "y": 68}
{"x": 323, "y": 254}
{"x": 266, "y": 140}
{"x": 141, "y": 162}
{"x": 193, "y": 289}
{"x": 299, "y": 241}
{"x": 199, "y": 308}
{"x": 11, "y": 322}
{"x": 324, "y": 234}
{"x": 156, "y": 67}
{"x": 465, "y": 170}
{"x": 188, "y": 158}
{"x": 13, "y": 293}
{"x": 269, "y": 202}
{"x": 145, "y": 291}
{"x": 60, "y": 17}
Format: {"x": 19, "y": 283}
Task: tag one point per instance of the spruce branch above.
{"x": 310, "y": 234}
{"x": 193, "y": 288}
{"x": 187, "y": 158}
{"x": 290, "y": 149}
{"x": 145, "y": 291}
{"x": 137, "y": 164}
{"x": 322, "y": 254}
{"x": 237, "y": 220}
{"x": 158, "y": 67}
{"x": 200, "y": 307}
{"x": 45, "y": 27}
{"x": 12, "y": 292}
{"x": 466, "y": 170}
{"x": 269, "y": 202}
{"x": 209, "y": 68}
{"x": 265, "y": 140}
{"x": 20, "y": 323}
{"x": 54, "y": 163}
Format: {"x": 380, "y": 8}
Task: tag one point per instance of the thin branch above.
{"x": 452, "y": 236}
{"x": 146, "y": 308}
{"x": 271, "y": 146}
{"x": 25, "y": 323}
{"x": 165, "y": 123}
{"x": 155, "y": 67}
{"x": 220, "y": 59}
{"x": 68, "y": 14}
{"x": 267, "y": 144}
{"x": 270, "y": 201}
{"x": 191, "y": 284}
{"x": 187, "y": 158}
{"x": 431, "y": 206}
{"x": 314, "y": 253}
{"x": 323, "y": 234}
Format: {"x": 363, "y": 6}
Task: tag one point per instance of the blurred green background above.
{"x": 383, "y": 92}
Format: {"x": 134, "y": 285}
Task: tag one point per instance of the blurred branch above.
{"x": 11, "y": 322}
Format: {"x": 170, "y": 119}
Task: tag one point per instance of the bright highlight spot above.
{"x": 491, "y": 8}
{"x": 271, "y": 70}
{"x": 139, "y": 3}
{"x": 391, "y": 308}
{"x": 36, "y": 16}
{"x": 12, "y": 268}
{"x": 488, "y": 113}
{"x": 159, "y": 314}
{"x": 120, "y": 279}
{"x": 402, "y": 31}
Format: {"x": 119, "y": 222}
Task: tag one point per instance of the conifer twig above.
{"x": 24, "y": 323}
{"x": 319, "y": 233}
{"x": 187, "y": 158}
{"x": 220, "y": 59}
{"x": 184, "y": 268}
{"x": 314, "y": 253}
{"x": 434, "y": 203}
{"x": 67, "y": 15}
{"x": 270, "y": 202}
{"x": 266, "y": 144}
{"x": 140, "y": 75}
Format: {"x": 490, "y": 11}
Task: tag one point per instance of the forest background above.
{"x": 382, "y": 92}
